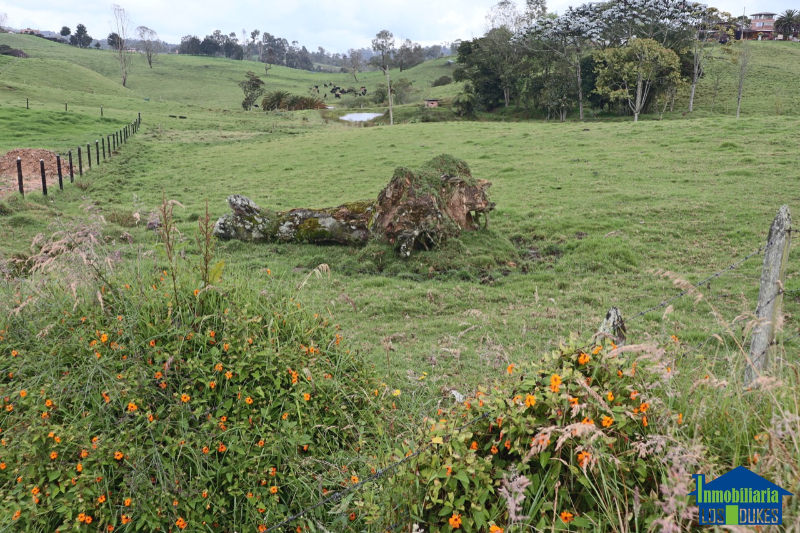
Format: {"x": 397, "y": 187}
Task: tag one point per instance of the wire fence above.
{"x": 381, "y": 474}
{"x": 106, "y": 146}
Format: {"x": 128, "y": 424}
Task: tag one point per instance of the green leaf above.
{"x": 216, "y": 272}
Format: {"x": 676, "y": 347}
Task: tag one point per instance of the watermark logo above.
{"x": 739, "y": 497}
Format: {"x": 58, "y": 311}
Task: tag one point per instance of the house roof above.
{"x": 431, "y": 99}
{"x": 741, "y": 477}
{"x": 765, "y": 13}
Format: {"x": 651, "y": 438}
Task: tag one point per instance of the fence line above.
{"x": 120, "y": 137}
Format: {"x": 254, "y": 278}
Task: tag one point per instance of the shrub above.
{"x": 563, "y": 438}
{"x": 154, "y": 402}
{"x": 443, "y": 80}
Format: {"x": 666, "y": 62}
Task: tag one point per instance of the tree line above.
{"x": 624, "y": 56}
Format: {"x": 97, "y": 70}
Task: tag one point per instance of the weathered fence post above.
{"x": 97, "y": 150}
{"x": 89, "y": 154}
{"x": 770, "y": 294}
{"x": 613, "y": 327}
{"x": 101, "y": 111}
{"x": 66, "y": 106}
{"x": 19, "y": 176}
{"x": 60, "y": 178}
{"x": 71, "y": 172}
{"x": 44, "y": 179}
{"x": 26, "y": 104}
{"x": 80, "y": 162}
{"x": 103, "y": 142}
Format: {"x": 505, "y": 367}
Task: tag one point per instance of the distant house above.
{"x": 28, "y": 31}
{"x": 762, "y": 27}
{"x": 431, "y": 102}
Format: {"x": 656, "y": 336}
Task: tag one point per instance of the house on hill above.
{"x": 29, "y": 31}
{"x": 739, "y": 497}
{"x": 762, "y": 27}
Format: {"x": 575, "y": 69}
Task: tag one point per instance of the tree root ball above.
{"x": 416, "y": 210}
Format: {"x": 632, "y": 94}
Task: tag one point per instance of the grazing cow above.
{"x": 337, "y": 95}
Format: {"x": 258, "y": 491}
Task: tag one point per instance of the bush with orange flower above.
{"x": 552, "y": 421}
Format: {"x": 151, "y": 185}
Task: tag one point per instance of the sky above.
{"x": 335, "y": 25}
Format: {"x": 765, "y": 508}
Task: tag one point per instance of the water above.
{"x": 360, "y": 117}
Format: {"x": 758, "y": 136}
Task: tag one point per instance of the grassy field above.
{"x": 588, "y": 214}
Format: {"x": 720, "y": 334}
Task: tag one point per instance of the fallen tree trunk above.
{"x": 417, "y": 209}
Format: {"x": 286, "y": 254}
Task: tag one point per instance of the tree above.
{"x": 568, "y": 37}
{"x": 464, "y": 102}
{"x": 409, "y": 55}
{"x": 65, "y": 31}
{"x": 190, "y": 45}
{"x": 122, "y": 26}
{"x": 708, "y": 37}
{"x": 383, "y": 46}
{"x": 97, "y": 45}
{"x": 253, "y": 87}
{"x": 209, "y": 47}
{"x": 788, "y": 23}
{"x": 149, "y": 42}
{"x": 4, "y": 20}
{"x": 81, "y": 37}
{"x": 113, "y": 40}
{"x": 629, "y": 72}
{"x": 743, "y": 58}
{"x": 355, "y": 61}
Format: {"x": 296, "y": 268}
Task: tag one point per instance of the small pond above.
{"x": 360, "y": 117}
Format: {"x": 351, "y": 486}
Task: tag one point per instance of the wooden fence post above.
{"x": 66, "y": 107}
{"x": 101, "y": 111}
{"x": 613, "y": 327}
{"x": 60, "y": 177}
{"x": 19, "y": 177}
{"x": 71, "y": 172}
{"x": 26, "y": 104}
{"x": 80, "y": 162}
{"x": 103, "y": 139}
{"x": 770, "y": 294}
{"x": 44, "y": 179}
{"x": 97, "y": 150}
{"x": 89, "y": 154}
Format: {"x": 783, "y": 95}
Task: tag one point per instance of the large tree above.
{"x": 122, "y": 25}
{"x": 149, "y": 42}
{"x": 630, "y": 72}
{"x": 567, "y": 37}
{"x": 383, "y": 46}
{"x": 788, "y": 23}
{"x": 81, "y": 37}
{"x": 710, "y": 34}
{"x": 253, "y": 88}
{"x": 65, "y": 31}
{"x": 190, "y": 45}
{"x": 355, "y": 61}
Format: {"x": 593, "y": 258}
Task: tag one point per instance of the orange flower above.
{"x": 261, "y": 528}
{"x": 158, "y": 375}
{"x": 205, "y": 494}
{"x": 153, "y": 343}
{"x": 84, "y": 454}
{"x": 118, "y": 456}
{"x": 229, "y": 374}
{"x": 2, "y": 466}
{"x": 273, "y": 489}
{"x": 596, "y": 349}
{"x": 634, "y": 394}
{"x": 644, "y": 421}
{"x": 495, "y": 529}
{"x": 132, "y": 406}
{"x": 248, "y": 400}
{"x": 583, "y": 358}
{"x": 101, "y": 499}
{"x": 285, "y": 416}
{"x": 306, "y": 396}
{"x": 218, "y": 367}
{"x": 226, "y": 346}
{"x": 88, "y": 520}
{"x": 81, "y": 517}
{"x": 607, "y": 421}
{"x": 23, "y": 393}
{"x": 643, "y": 408}
{"x": 212, "y": 384}
{"x": 126, "y": 519}
{"x": 181, "y": 523}
{"x": 212, "y": 334}
{"x": 352, "y": 515}
{"x": 109, "y": 527}
{"x": 16, "y": 515}
{"x": 573, "y": 401}
{"x": 185, "y": 398}
{"x": 680, "y": 418}
{"x": 354, "y": 479}
{"x": 473, "y": 446}
{"x": 583, "y": 458}
{"x": 53, "y": 455}
{"x": 510, "y": 368}
{"x": 48, "y": 403}
{"x": 127, "y": 502}
{"x": 567, "y": 517}
{"x": 610, "y": 396}
{"x": 273, "y": 471}
{"x": 455, "y": 521}
{"x": 530, "y": 400}
{"x": 507, "y": 444}
{"x": 555, "y": 382}
{"x": 196, "y": 292}
{"x": 35, "y": 491}
{"x": 261, "y": 443}
{"x": 494, "y": 449}
{"x": 221, "y": 448}
{"x": 174, "y": 503}
{"x": 104, "y": 338}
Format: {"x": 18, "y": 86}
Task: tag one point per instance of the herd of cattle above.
{"x": 337, "y": 91}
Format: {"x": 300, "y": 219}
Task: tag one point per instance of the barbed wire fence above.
{"x": 775, "y": 276}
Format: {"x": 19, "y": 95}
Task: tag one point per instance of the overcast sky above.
{"x": 334, "y": 25}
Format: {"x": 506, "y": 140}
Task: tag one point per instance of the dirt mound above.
{"x": 31, "y": 170}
